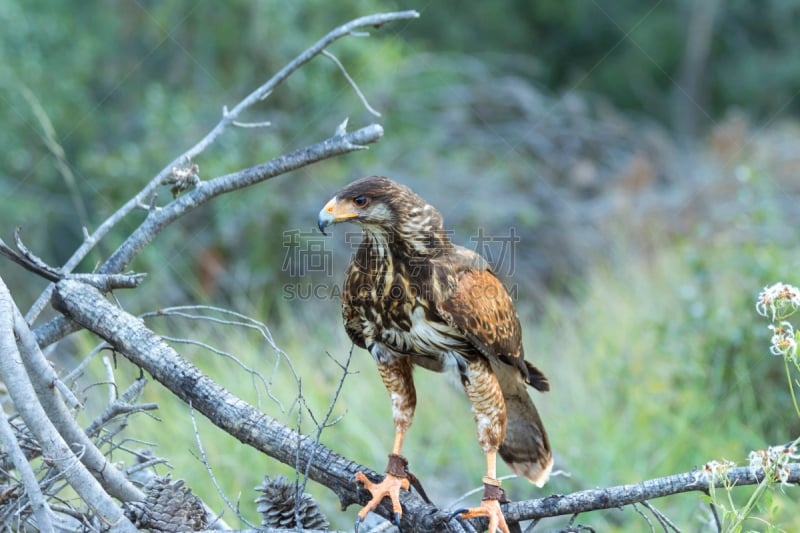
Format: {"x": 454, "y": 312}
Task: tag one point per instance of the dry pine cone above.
{"x": 277, "y": 506}
{"x": 169, "y": 506}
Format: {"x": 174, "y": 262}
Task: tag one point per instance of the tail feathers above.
{"x": 526, "y": 448}
{"x": 532, "y": 375}
{"x": 536, "y": 378}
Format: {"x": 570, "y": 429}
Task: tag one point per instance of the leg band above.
{"x": 493, "y": 491}
{"x": 398, "y": 466}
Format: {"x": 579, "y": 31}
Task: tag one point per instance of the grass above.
{"x": 666, "y": 368}
{"x": 658, "y": 365}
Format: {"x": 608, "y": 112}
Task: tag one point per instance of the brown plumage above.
{"x": 413, "y": 298}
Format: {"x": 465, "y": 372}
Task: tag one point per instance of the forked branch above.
{"x": 130, "y": 337}
{"x": 228, "y": 118}
{"x": 158, "y": 220}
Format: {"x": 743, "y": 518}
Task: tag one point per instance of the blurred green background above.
{"x": 645, "y": 154}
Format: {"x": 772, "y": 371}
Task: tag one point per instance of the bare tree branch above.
{"x": 79, "y": 297}
{"x": 132, "y": 339}
{"x": 8, "y": 347}
{"x": 158, "y": 220}
{"x": 621, "y": 495}
{"x": 34, "y": 392}
{"x": 128, "y": 336}
{"x": 55, "y": 449}
{"x": 32, "y": 263}
{"x": 121, "y": 405}
{"x": 228, "y": 118}
{"x": 42, "y": 376}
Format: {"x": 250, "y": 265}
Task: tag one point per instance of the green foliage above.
{"x": 658, "y": 364}
{"x": 143, "y": 85}
{"x": 652, "y": 386}
{"x": 149, "y": 80}
{"x": 657, "y": 360}
{"x": 665, "y": 364}
{"x": 632, "y": 51}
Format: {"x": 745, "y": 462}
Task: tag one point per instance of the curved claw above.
{"x": 390, "y": 487}
{"x": 358, "y": 522}
{"x": 489, "y": 508}
{"x": 456, "y": 513}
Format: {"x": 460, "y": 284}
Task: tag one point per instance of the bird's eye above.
{"x": 360, "y": 200}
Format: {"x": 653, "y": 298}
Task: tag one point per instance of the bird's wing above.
{"x": 480, "y": 308}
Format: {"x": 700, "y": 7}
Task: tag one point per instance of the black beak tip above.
{"x": 321, "y": 224}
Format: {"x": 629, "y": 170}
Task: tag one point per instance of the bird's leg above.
{"x": 396, "y": 375}
{"x": 488, "y": 406}
{"x": 493, "y": 496}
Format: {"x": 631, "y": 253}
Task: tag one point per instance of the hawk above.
{"x": 413, "y": 298}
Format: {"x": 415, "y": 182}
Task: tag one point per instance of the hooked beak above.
{"x": 335, "y": 211}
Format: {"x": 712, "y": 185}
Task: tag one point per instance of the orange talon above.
{"x": 493, "y": 495}
{"x": 390, "y": 486}
{"x": 490, "y": 509}
{"x": 396, "y": 478}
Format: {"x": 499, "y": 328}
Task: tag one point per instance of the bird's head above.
{"x": 384, "y": 207}
{"x": 373, "y": 201}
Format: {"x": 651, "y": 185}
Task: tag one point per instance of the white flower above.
{"x": 759, "y": 460}
{"x": 714, "y": 470}
{"x": 773, "y": 461}
{"x": 783, "y": 340}
{"x": 778, "y": 300}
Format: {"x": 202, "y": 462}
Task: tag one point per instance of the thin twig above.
{"x": 298, "y": 451}
{"x": 204, "y": 460}
{"x": 54, "y": 447}
{"x": 644, "y": 517}
{"x": 229, "y": 116}
{"x": 12, "y": 448}
{"x": 351, "y": 82}
{"x": 530, "y": 527}
{"x": 146, "y": 464}
{"x": 254, "y": 374}
{"x": 41, "y": 375}
{"x": 264, "y": 124}
{"x": 715, "y": 514}
{"x": 345, "y": 372}
{"x": 112, "y": 386}
{"x": 67, "y": 394}
{"x": 243, "y": 321}
{"x": 78, "y": 370}
{"x": 120, "y": 445}
{"x": 665, "y": 522}
{"x": 120, "y": 405}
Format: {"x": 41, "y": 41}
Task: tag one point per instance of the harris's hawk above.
{"x": 413, "y": 298}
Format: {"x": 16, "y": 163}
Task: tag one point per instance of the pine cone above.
{"x": 277, "y": 506}
{"x": 169, "y": 506}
